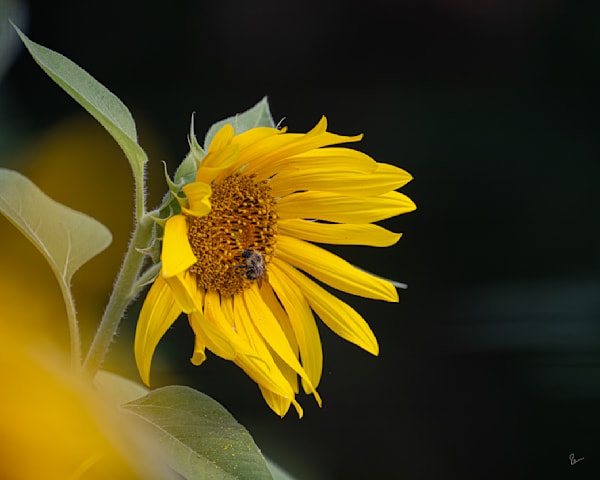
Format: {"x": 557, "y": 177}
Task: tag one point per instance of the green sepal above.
{"x": 257, "y": 116}
{"x": 186, "y": 172}
{"x": 154, "y": 247}
{"x": 148, "y": 276}
{"x": 171, "y": 205}
{"x": 152, "y": 250}
{"x": 177, "y": 199}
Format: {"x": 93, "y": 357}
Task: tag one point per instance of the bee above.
{"x": 254, "y": 265}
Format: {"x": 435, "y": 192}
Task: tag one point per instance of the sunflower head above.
{"x": 238, "y": 255}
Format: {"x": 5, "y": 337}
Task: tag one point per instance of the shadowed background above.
{"x": 490, "y": 364}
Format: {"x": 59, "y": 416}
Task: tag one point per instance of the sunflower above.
{"x": 239, "y": 259}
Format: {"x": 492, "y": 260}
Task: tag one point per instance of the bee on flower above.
{"x": 240, "y": 260}
{"x": 255, "y": 266}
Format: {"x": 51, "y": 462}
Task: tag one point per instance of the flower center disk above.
{"x": 242, "y": 221}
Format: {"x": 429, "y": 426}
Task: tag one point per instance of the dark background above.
{"x": 490, "y": 364}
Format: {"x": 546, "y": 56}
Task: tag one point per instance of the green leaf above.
{"x": 65, "y": 237}
{"x": 198, "y": 436}
{"x": 257, "y": 116}
{"x": 104, "y": 106}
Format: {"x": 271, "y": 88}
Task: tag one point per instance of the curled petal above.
{"x": 199, "y": 354}
{"x": 184, "y": 288}
{"x": 211, "y": 336}
{"x": 158, "y": 313}
{"x": 198, "y": 195}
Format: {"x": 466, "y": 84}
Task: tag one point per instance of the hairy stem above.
{"x": 124, "y": 292}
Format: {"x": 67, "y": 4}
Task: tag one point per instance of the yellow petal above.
{"x": 333, "y": 270}
{"x": 302, "y": 321}
{"x": 199, "y": 355}
{"x": 224, "y": 328}
{"x": 254, "y": 135}
{"x": 232, "y": 316}
{"x": 264, "y": 372}
{"x": 215, "y": 340}
{"x": 279, "y": 404}
{"x": 338, "y": 233}
{"x": 331, "y": 158}
{"x": 384, "y": 178}
{"x": 217, "y": 163}
{"x": 385, "y": 169}
{"x": 221, "y": 139}
{"x": 260, "y": 367}
{"x": 158, "y": 314}
{"x": 273, "y": 304}
{"x": 277, "y": 398}
{"x": 184, "y": 288}
{"x": 333, "y": 207}
{"x": 271, "y": 331}
{"x": 288, "y": 373}
{"x": 337, "y": 315}
{"x": 319, "y": 128}
{"x": 176, "y": 255}
{"x": 282, "y": 146}
{"x": 198, "y": 195}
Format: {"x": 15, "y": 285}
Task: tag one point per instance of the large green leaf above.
{"x": 257, "y": 116}
{"x": 199, "y": 437}
{"x": 65, "y": 237}
{"x": 112, "y": 114}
